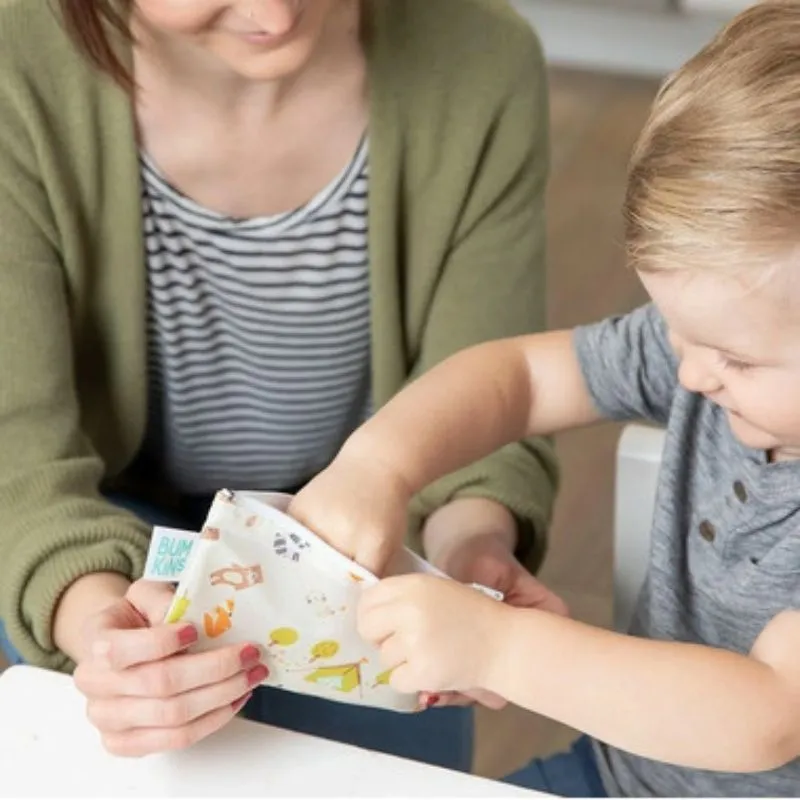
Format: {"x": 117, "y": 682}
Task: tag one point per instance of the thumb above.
{"x": 151, "y": 600}
{"x": 532, "y": 593}
{"x": 131, "y": 631}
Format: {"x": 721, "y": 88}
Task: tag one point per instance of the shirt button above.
{"x": 740, "y": 491}
{"x": 707, "y": 531}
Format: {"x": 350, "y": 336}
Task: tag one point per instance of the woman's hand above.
{"x": 486, "y": 560}
{"x": 144, "y": 693}
{"x": 473, "y": 540}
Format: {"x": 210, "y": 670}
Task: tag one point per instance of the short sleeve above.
{"x": 629, "y": 365}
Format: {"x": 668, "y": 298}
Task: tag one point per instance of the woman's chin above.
{"x": 264, "y": 60}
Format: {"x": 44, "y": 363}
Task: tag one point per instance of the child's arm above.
{"x": 474, "y": 403}
{"x": 686, "y": 704}
{"x": 458, "y": 412}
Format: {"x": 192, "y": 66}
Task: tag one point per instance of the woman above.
{"x": 229, "y": 228}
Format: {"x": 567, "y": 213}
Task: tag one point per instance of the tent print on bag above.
{"x": 343, "y": 678}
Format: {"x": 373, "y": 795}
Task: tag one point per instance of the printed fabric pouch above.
{"x": 255, "y": 574}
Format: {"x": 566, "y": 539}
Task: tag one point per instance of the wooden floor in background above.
{"x": 595, "y": 119}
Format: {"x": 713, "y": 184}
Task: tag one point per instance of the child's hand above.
{"x": 359, "y": 506}
{"x": 436, "y": 634}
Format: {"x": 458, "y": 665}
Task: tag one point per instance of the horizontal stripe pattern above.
{"x": 258, "y": 334}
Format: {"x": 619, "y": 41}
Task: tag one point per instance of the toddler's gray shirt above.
{"x": 725, "y": 554}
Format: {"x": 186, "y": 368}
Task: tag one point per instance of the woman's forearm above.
{"x": 450, "y": 526}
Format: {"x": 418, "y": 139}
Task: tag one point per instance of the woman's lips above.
{"x": 262, "y": 37}
{"x": 267, "y": 38}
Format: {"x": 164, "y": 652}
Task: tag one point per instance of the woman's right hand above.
{"x": 144, "y": 693}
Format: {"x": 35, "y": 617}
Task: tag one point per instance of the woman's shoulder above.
{"x": 35, "y": 48}
{"x": 463, "y": 40}
{"x": 472, "y": 22}
{"x": 49, "y": 89}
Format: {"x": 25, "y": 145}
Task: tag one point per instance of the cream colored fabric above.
{"x": 256, "y": 575}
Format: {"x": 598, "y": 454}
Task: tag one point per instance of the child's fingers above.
{"x": 385, "y": 591}
{"x": 393, "y": 652}
{"x": 377, "y": 623}
{"x": 398, "y": 588}
{"x": 403, "y": 680}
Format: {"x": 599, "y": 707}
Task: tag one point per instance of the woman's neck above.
{"x": 249, "y": 148}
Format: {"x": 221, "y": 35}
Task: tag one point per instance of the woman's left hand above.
{"x": 487, "y": 560}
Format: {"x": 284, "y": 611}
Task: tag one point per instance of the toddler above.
{"x": 703, "y": 696}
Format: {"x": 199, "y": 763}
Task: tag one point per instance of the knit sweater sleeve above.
{"x": 493, "y": 286}
{"x": 54, "y": 524}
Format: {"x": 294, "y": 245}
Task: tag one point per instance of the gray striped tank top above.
{"x": 259, "y": 335}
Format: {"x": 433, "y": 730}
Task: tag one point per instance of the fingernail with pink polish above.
{"x": 257, "y": 674}
{"x": 433, "y": 700}
{"x": 187, "y": 635}
{"x": 249, "y": 656}
{"x": 239, "y": 704}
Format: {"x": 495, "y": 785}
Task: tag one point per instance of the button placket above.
{"x": 748, "y": 519}
{"x": 740, "y": 511}
{"x": 721, "y": 512}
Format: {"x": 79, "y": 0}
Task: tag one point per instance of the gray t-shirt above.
{"x": 725, "y": 553}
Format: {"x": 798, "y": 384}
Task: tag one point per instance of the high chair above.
{"x": 638, "y": 461}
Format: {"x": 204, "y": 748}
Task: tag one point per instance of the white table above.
{"x": 47, "y": 748}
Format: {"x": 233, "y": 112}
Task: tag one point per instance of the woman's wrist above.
{"x": 82, "y": 599}
{"x": 450, "y": 527}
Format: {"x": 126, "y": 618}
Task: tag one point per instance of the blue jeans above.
{"x": 443, "y": 737}
{"x": 570, "y": 774}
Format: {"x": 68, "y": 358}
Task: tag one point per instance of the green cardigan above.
{"x": 458, "y": 166}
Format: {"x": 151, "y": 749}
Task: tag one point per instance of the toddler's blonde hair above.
{"x": 714, "y": 179}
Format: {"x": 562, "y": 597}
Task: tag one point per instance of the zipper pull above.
{"x": 493, "y": 593}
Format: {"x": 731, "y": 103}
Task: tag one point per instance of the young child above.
{"x": 703, "y": 697}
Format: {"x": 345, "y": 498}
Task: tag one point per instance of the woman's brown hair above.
{"x": 91, "y": 25}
